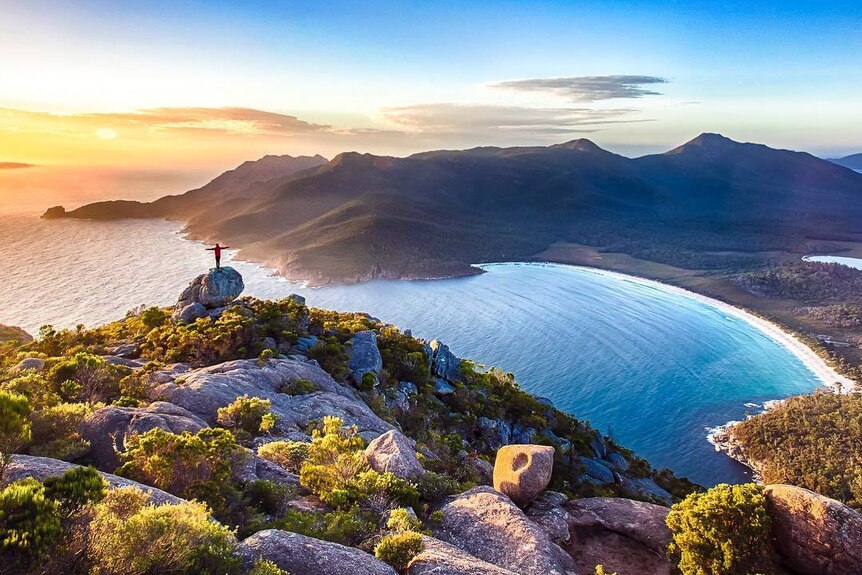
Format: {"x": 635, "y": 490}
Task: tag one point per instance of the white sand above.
{"x": 811, "y": 360}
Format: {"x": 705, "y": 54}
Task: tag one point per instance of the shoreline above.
{"x": 786, "y": 339}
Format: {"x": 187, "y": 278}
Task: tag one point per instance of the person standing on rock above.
{"x": 217, "y": 251}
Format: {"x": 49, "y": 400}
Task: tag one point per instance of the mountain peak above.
{"x": 580, "y": 144}
{"x": 707, "y": 142}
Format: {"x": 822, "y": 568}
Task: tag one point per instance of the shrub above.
{"x": 264, "y": 567}
{"x": 289, "y": 454}
{"x": 130, "y": 537}
{"x": 249, "y": 414}
{"x": 29, "y": 520}
{"x": 369, "y": 381}
{"x": 401, "y": 520}
{"x": 265, "y": 356}
{"x": 347, "y": 527}
{"x": 267, "y": 496}
{"x": 188, "y": 465}
{"x": 34, "y": 387}
{"x": 724, "y": 531}
{"x": 435, "y": 486}
{"x": 15, "y": 426}
{"x": 76, "y": 488}
{"x": 299, "y": 386}
{"x": 399, "y": 549}
{"x": 86, "y": 376}
{"x": 334, "y": 459}
{"x": 55, "y": 431}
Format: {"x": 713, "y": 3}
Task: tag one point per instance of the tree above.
{"x": 724, "y": 531}
{"x": 15, "y": 429}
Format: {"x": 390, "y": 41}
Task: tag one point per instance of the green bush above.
{"x": 249, "y": 414}
{"x": 76, "y": 488}
{"x": 15, "y": 428}
{"x": 401, "y": 520}
{"x": 289, "y": 454}
{"x": 267, "y": 496}
{"x": 299, "y": 386}
{"x": 368, "y": 382}
{"x": 351, "y": 526}
{"x": 265, "y": 355}
{"x": 264, "y": 567}
{"x": 34, "y": 387}
{"x": 55, "y": 431}
{"x": 188, "y": 465}
{"x": 29, "y": 520}
{"x": 86, "y": 377}
{"x": 724, "y": 531}
{"x": 130, "y": 537}
{"x": 399, "y": 549}
{"x": 334, "y": 459}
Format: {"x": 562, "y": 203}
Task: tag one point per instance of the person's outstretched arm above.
{"x": 210, "y": 249}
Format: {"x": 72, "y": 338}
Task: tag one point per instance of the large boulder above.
{"x": 440, "y": 558}
{"x": 815, "y": 535}
{"x": 443, "y": 363}
{"x": 487, "y": 525}
{"x": 41, "y": 468}
{"x": 203, "y": 391}
{"x": 210, "y": 291}
{"x": 106, "y": 428}
{"x": 395, "y": 452}
{"x": 596, "y": 471}
{"x": 364, "y": 355}
{"x": 646, "y": 488}
{"x": 637, "y": 520}
{"x": 523, "y": 472}
{"x": 33, "y": 363}
{"x": 303, "y": 555}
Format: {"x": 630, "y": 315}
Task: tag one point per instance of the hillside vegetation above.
{"x": 812, "y": 441}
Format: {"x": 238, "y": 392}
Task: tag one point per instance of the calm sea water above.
{"x": 850, "y": 262}
{"x": 652, "y": 367}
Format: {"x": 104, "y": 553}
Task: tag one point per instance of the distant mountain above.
{"x": 220, "y": 193}
{"x": 433, "y": 214}
{"x": 853, "y": 161}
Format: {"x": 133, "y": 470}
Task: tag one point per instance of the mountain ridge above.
{"x": 435, "y": 213}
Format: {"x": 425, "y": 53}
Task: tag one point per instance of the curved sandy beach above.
{"x": 806, "y": 355}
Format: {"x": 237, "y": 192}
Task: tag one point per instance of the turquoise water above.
{"x": 652, "y": 367}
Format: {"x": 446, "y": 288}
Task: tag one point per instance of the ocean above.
{"x": 649, "y": 366}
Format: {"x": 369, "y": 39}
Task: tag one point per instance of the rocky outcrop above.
{"x": 208, "y": 292}
{"x": 34, "y": 363}
{"x": 814, "y": 534}
{"x": 300, "y": 554}
{"x": 440, "y": 558}
{"x": 41, "y": 468}
{"x": 14, "y": 333}
{"x": 596, "y": 471}
{"x": 107, "y": 428}
{"x": 395, "y": 452}
{"x": 364, "y": 355}
{"x": 636, "y": 520}
{"x": 487, "y": 525}
{"x": 443, "y": 363}
{"x": 646, "y": 488}
{"x": 522, "y": 472}
{"x": 204, "y": 391}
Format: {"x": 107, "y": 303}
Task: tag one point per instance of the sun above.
{"x": 106, "y": 134}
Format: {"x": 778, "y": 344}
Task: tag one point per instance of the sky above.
{"x": 138, "y": 99}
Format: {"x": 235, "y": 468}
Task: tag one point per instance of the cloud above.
{"x": 478, "y": 118}
{"x": 227, "y": 121}
{"x": 237, "y": 121}
{"x": 15, "y": 165}
{"x": 586, "y": 88}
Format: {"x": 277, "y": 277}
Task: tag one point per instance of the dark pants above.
{"x": 218, "y": 260}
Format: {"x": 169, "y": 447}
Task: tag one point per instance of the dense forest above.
{"x": 813, "y": 441}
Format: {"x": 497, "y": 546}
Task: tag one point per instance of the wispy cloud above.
{"x": 587, "y": 88}
{"x": 466, "y": 118}
{"x": 15, "y": 165}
